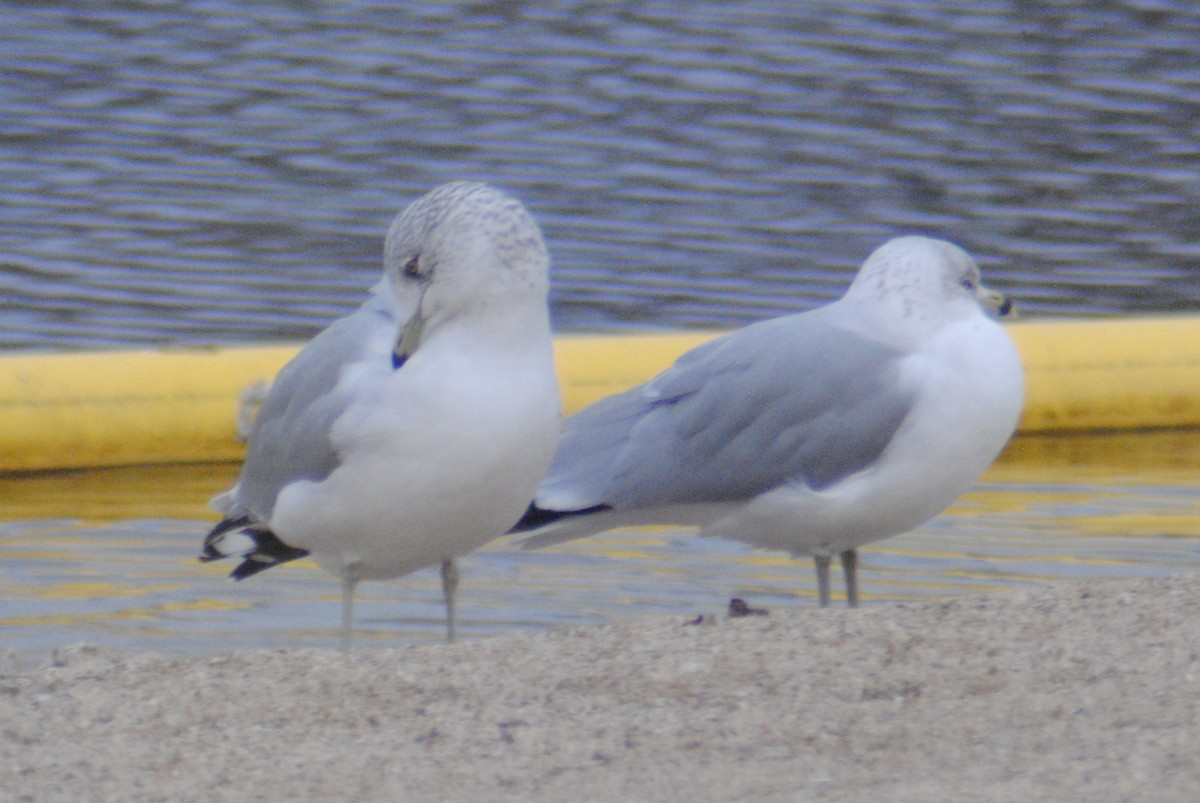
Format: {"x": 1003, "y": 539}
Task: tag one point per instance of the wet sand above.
{"x": 1086, "y": 690}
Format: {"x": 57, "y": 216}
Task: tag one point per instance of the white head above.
{"x": 464, "y": 249}
{"x": 920, "y": 283}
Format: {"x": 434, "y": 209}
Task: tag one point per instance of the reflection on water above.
{"x": 126, "y": 576}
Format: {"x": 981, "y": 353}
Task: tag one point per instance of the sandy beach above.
{"x": 1086, "y": 690}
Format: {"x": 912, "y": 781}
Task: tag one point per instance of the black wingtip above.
{"x": 209, "y": 551}
{"x": 536, "y": 517}
{"x": 268, "y": 550}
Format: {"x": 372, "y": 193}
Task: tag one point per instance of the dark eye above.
{"x": 412, "y": 268}
{"x": 967, "y": 283}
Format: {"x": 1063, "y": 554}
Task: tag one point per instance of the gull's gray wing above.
{"x": 798, "y": 399}
{"x": 290, "y": 437}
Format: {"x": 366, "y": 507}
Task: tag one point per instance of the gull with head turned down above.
{"x": 416, "y": 429}
{"x": 814, "y": 433}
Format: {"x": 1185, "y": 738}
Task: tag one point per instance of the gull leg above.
{"x": 449, "y": 586}
{"x": 850, "y": 569}
{"x": 822, "y": 562}
{"x": 349, "y": 583}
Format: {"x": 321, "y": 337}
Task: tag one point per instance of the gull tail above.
{"x": 258, "y": 547}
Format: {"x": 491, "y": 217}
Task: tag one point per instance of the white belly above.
{"x": 435, "y": 464}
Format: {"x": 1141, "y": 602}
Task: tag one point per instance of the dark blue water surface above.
{"x": 193, "y": 172}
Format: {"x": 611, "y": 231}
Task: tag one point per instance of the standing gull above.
{"x": 416, "y": 429}
{"x": 813, "y": 433}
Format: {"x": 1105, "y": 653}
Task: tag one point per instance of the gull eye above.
{"x": 412, "y": 269}
{"x": 967, "y": 283}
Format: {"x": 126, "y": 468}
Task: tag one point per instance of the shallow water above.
{"x": 125, "y": 574}
{"x": 185, "y": 173}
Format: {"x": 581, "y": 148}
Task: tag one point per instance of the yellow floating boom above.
{"x": 80, "y": 410}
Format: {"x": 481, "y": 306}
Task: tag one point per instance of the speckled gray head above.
{"x": 921, "y": 280}
{"x": 464, "y": 249}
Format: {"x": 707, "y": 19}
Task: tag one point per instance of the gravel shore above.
{"x": 1082, "y": 690}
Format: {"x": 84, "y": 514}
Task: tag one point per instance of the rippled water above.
{"x": 121, "y": 570}
{"x": 223, "y": 171}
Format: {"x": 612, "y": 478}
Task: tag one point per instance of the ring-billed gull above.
{"x": 813, "y": 433}
{"x": 415, "y": 429}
